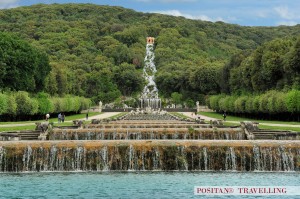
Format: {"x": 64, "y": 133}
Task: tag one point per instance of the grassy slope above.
{"x": 68, "y": 122}
{"x": 238, "y": 119}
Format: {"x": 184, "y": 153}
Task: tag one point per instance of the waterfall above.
{"x": 26, "y": 158}
{"x": 104, "y": 158}
{"x": 147, "y": 155}
{"x": 149, "y": 97}
{"x": 156, "y": 160}
{"x": 230, "y": 159}
{"x": 139, "y": 133}
{"x": 2, "y": 155}
{"x": 287, "y": 159}
{"x": 53, "y": 153}
{"x": 205, "y": 159}
{"x": 183, "y": 165}
{"x": 131, "y": 159}
{"x": 78, "y": 158}
{"x": 256, "y": 155}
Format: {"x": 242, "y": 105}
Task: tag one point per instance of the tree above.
{"x": 293, "y": 65}
{"x": 22, "y": 66}
{"x": 128, "y": 79}
{"x": 100, "y": 87}
{"x": 205, "y": 79}
{"x": 176, "y": 98}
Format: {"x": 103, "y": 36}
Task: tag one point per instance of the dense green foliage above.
{"x": 274, "y": 65}
{"x": 22, "y": 105}
{"x": 97, "y": 51}
{"x": 22, "y": 67}
{"x": 271, "y": 103}
{"x": 251, "y": 77}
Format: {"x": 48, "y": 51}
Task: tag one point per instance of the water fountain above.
{"x": 149, "y": 98}
{"x": 151, "y": 139}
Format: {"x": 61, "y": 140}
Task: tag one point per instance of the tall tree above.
{"x": 22, "y": 66}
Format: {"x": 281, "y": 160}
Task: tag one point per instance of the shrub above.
{"x": 34, "y": 106}
{"x": 45, "y": 105}
{"x": 293, "y": 101}
{"x": 24, "y": 103}
{"x": 249, "y": 108}
{"x": 280, "y": 102}
{"x": 240, "y": 104}
{"x": 11, "y": 105}
{"x": 3, "y": 103}
{"x": 57, "y": 104}
{"x": 271, "y": 100}
{"x": 214, "y": 102}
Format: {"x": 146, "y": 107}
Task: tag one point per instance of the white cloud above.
{"x": 288, "y": 16}
{"x": 189, "y": 16}
{"x": 262, "y": 13}
{"x": 287, "y": 23}
{"x": 8, "y": 3}
{"x": 285, "y": 13}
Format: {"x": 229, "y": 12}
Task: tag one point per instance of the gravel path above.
{"x": 101, "y": 116}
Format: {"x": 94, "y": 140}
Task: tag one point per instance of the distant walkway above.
{"x": 100, "y": 116}
{"x": 192, "y": 115}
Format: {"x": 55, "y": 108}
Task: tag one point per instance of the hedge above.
{"x": 22, "y": 103}
{"x": 271, "y": 102}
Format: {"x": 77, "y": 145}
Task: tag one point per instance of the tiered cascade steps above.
{"x": 145, "y": 145}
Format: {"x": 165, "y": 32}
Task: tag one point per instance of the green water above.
{"x": 134, "y": 184}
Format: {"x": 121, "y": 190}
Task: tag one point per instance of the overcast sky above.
{"x": 243, "y": 12}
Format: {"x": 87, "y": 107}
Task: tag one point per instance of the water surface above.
{"x": 134, "y": 184}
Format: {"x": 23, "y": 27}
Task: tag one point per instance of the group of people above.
{"x": 61, "y": 117}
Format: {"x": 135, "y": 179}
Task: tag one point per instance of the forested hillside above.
{"x": 98, "y": 51}
{"x": 264, "y": 83}
{"x": 273, "y": 65}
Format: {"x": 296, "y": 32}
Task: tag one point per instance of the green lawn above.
{"x": 118, "y": 115}
{"x": 238, "y": 119}
{"x": 179, "y": 115}
{"x": 283, "y": 128}
{"x": 17, "y": 128}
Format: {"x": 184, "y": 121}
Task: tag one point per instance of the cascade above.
{"x": 147, "y": 133}
{"x": 149, "y": 98}
{"x": 149, "y": 155}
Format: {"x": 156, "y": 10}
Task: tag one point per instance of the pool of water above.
{"x": 135, "y": 184}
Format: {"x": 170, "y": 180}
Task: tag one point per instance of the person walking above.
{"x": 47, "y": 116}
{"x": 62, "y": 117}
{"x": 224, "y": 116}
{"x": 87, "y": 116}
{"x": 59, "y": 117}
